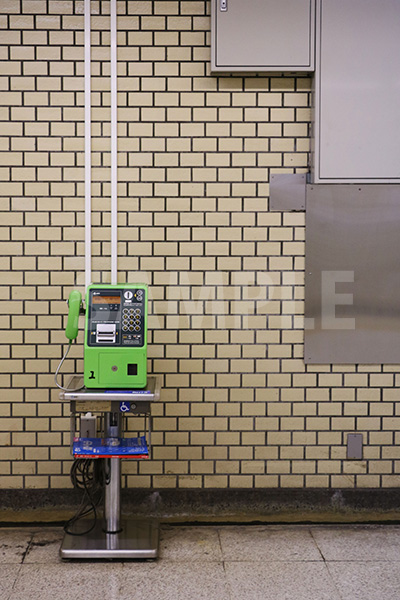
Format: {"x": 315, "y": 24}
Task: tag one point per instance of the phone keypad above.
{"x": 131, "y": 319}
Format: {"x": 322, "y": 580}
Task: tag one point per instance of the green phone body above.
{"x": 115, "y": 354}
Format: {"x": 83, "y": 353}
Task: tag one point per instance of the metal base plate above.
{"x": 137, "y": 539}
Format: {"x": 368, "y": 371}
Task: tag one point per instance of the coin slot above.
{"x": 132, "y": 369}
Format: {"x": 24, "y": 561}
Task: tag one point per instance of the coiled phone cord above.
{"x": 58, "y": 370}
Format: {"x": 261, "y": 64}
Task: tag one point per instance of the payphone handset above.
{"x": 74, "y": 309}
{"x": 71, "y": 332}
{"x": 115, "y": 349}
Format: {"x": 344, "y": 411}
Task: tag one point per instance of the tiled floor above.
{"x": 215, "y": 563}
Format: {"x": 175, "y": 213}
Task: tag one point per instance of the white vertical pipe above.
{"x": 114, "y": 148}
{"x": 88, "y": 151}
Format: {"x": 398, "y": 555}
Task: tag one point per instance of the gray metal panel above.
{"x": 263, "y": 35}
{"x": 357, "y": 87}
{"x": 287, "y": 191}
{"x": 352, "y": 294}
{"x": 354, "y": 446}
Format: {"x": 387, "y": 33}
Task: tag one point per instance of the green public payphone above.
{"x": 115, "y": 354}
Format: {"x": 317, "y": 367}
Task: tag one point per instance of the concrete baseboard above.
{"x": 240, "y": 506}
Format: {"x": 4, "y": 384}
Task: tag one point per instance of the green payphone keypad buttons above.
{"x": 131, "y": 319}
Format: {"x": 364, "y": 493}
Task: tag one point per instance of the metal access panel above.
{"x": 262, "y": 35}
{"x": 357, "y": 92}
{"x": 287, "y": 191}
{"x": 352, "y": 283}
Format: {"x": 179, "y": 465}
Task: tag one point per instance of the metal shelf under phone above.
{"x": 105, "y": 401}
{"x": 150, "y": 393}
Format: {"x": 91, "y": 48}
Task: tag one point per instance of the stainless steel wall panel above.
{"x": 357, "y": 91}
{"x": 352, "y": 293}
{"x": 262, "y": 35}
{"x": 287, "y": 191}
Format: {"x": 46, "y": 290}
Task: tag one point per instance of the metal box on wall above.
{"x": 357, "y": 92}
{"x": 262, "y": 35}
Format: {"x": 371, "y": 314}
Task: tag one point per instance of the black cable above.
{"x": 83, "y": 478}
{"x": 88, "y": 475}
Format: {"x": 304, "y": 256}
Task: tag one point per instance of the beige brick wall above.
{"x": 239, "y": 408}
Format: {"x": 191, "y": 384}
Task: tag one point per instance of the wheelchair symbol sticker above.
{"x": 124, "y": 406}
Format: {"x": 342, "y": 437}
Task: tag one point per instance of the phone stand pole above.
{"x": 112, "y": 487}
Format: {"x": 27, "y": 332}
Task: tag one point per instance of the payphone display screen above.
{"x": 106, "y": 300}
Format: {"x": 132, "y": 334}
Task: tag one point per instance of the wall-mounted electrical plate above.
{"x": 354, "y": 446}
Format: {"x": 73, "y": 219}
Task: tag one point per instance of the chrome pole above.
{"x": 112, "y": 496}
